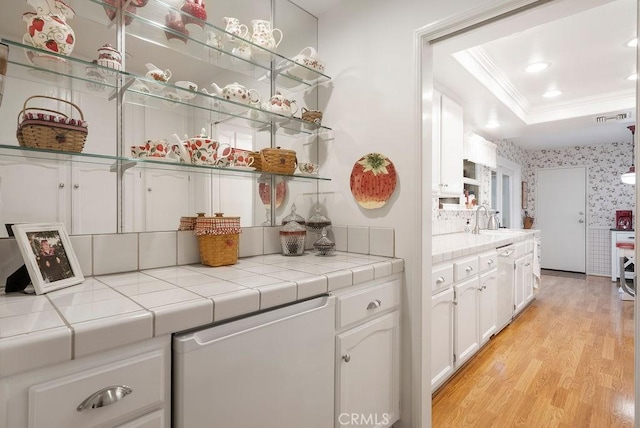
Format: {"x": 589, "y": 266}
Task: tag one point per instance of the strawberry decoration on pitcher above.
{"x": 47, "y": 27}
{"x": 373, "y": 180}
{"x": 195, "y": 13}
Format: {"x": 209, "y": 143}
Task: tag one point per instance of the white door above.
{"x": 488, "y": 302}
{"x": 169, "y": 196}
{"x": 93, "y": 199}
{"x": 561, "y": 217}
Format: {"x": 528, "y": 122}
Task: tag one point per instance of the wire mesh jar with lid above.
{"x": 292, "y": 237}
{"x": 293, "y": 216}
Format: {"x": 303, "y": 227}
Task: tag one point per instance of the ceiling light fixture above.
{"x": 552, "y": 94}
{"x": 634, "y": 76}
{"x": 536, "y": 67}
{"x": 492, "y": 124}
{"x": 633, "y": 43}
{"x": 629, "y": 177}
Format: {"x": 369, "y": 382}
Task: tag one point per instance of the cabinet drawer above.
{"x": 625, "y": 237}
{"x": 487, "y": 261}
{"x": 465, "y": 268}
{"x": 441, "y": 277}
{"x": 368, "y": 303}
{"x": 55, "y": 403}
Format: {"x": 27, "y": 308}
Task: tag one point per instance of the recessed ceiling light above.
{"x": 634, "y": 76}
{"x": 536, "y": 67}
{"x": 633, "y": 43}
{"x": 552, "y": 94}
{"x": 492, "y": 124}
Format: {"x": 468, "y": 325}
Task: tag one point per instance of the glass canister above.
{"x": 292, "y": 236}
{"x": 293, "y": 216}
{"x": 317, "y": 222}
{"x": 324, "y": 246}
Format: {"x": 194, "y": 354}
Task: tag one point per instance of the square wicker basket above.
{"x": 277, "y": 161}
{"x": 218, "y": 239}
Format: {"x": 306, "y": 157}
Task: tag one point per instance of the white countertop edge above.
{"x": 453, "y": 245}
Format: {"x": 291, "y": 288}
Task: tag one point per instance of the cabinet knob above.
{"x": 469, "y": 269}
{"x": 105, "y": 397}
{"x": 346, "y": 357}
{"x": 440, "y": 280}
{"x": 76, "y": 186}
{"x": 149, "y": 189}
{"x": 490, "y": 262}
{"x": 580, "y": 221}
{"x": 375, "y": 304}
{"x": 61, "y": 185}
{"x": 527, "y": 264}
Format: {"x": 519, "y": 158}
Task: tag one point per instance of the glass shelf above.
{"x": 114, "y": 162}
{"x": 151, "y": 24}
{"x": 53, "y": 67}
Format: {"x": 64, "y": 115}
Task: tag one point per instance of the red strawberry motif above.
{"x": 52, "y": 45}
{"x": 69, "y": 39}
{"x": 198, "y": 143}
{"x": 36, "y": 25}
{"x": 373, "y": 180}
{"x": 160, "y": 148}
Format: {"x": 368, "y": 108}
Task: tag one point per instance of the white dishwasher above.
{"x": 270, "y": 370}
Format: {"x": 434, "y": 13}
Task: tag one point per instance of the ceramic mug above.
{"x": 241, "y": 158}
{"x": 308, "y": 168}
{"x": 190, "y": 89}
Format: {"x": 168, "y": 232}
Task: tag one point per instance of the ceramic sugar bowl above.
{"x": 109, "y": 57}
{"x": 280, "y": 105}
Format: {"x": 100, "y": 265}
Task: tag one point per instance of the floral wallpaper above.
{"x": 605, "y": 164}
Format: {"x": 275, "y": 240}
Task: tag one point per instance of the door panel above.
{"x": 561, "y": 217}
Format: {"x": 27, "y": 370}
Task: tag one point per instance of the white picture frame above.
{"x": 48, "y": 256}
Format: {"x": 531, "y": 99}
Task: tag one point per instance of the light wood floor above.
{"x": 566, "y": 361}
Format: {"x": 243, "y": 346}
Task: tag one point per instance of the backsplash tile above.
{"x": 358, "y": 239}
{"x": 381, "y": 241}
{"x": 251, "y": 241}
{"x": 115, "y": 253}
{"x": 83, "y": 249}
{"x": 188, "y": 250}
{"x": 339, "y": 236}
{"x": 271, "y": 240}
{"x": 158, "y": 249}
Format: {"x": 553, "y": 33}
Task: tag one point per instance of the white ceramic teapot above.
{"x": 155, "y": 74}
{"x": 280, "y": 105}
{"x": 237, "y": 93}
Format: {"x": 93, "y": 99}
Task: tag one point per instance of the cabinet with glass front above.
{"x": 186, "y": 76}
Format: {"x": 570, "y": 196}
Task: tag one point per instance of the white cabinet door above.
{"x": 93, "y": 196}
{"x": 488, "y": 304}
{"x": 518, "y": 290}
{"x": 441, "y": 337}
{"x": 368, "y": 373}
{"x": 467, "y": 340}
{"x": 168, "y": 196}
{"x": 33, "y": 191}
{"x": 528, "y": 279}
{"x": 451, "y": 139}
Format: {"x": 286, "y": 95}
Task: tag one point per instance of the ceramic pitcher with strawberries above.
{"x": 47, "y": 27}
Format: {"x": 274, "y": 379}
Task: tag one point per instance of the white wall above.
{"x": 372, "y": 105}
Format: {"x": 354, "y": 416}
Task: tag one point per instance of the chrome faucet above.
{"x": 476, "y": 230}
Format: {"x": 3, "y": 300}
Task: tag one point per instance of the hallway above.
{"x": 566, "y": 361}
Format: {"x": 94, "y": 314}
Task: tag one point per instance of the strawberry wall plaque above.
{"x": 373, "y": 180}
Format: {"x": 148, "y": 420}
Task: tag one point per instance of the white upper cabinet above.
{"x": 448, "y": 135}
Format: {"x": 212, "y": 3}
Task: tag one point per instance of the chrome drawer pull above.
{"x": 490, "y": 262}
{"x": 346, "y": 358}
{"x": 440, "y": 280}
{"x": 375, "y": 304}
{"x": 469, "y": 269}
{"x": 105, "y": 397}
{"x": 527, "y": 264}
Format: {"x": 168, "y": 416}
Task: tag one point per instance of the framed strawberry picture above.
{"x": 373, "y": 180}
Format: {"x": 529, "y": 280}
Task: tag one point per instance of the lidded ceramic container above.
{"x": 292, "y": 237}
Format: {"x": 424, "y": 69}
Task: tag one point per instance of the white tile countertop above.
{"x": 449, "y": 246}
{"x": 108, "y": 311}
